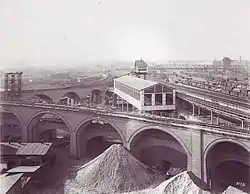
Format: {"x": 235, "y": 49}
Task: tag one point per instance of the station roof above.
{"x": 140, "y": 63}
{"x": 24, "y": 169}
{"x": 8, "y": 181}
{"x": 9, "y": 148}
{"x": 34, "y": 149}
{"x": 136, "y": 83}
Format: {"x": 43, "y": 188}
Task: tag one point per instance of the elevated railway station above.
{"x": 143, "y": 95}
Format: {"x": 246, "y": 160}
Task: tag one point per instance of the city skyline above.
{"x": 93, "y": 31}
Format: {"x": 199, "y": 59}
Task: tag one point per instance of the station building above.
{"x": 143, "y": 95}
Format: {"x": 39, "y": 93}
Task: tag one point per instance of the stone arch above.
{"x": 19, "y": 119}
{"x": 82, "y": 127}
{"x": 72, "y": 94}
{"x": 214, "y": 143}
{"x": 169, "y": 132}
{"x": 45, "y": 97}
{"x": 96, "y": 96}
{"x": 181, "y": 116}
{"x": 79, "y": 128}
{"x": 16, "y": 115}
{"x": 41, "y": 113}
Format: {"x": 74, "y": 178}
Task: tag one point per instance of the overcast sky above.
{"x": 157, "y": 30}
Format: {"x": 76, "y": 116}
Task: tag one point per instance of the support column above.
{"x": 127, "y": 107}
{"x": 114, "y": 99}
{"x": 118, "y": 103}
{"x": 193, "y": 112}
{"x": 25, "y": 134}
{"x": 199, "y": 111}
{"x": 164, "y": 99}
{"x": 217, "y": 120}
{"x": 68, "y": 101}
{"x": 73, "y": 145}
{"x": 122, "y": 104}
{"x": 174, "y": 97}
{"x": 211, "y": 117}
{"x": 242, "y": 124}
{"x": 153, "y": 99}
{"x": 195, "y": 161}
{"x": 133, "y": 108}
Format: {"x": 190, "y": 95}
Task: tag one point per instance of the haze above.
{"x": 52, "y": 31}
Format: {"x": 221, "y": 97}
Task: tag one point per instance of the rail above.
{"x": 215, "y": 106}
{"x": 138, "y": 116}
{"x": 209, "y": 93}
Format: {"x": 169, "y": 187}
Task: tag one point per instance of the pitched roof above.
{"x": 37, "y": 149}
{"x": 24, "y": 169}
{"x": 140, "y": 63}
{"x": 8, "y": 181}
{"x": 136, "y": 83}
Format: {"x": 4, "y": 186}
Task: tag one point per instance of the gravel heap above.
{"x": 114, "y": 171}
{"x": 232, "y": 190}
{"x": 181, "y": 183}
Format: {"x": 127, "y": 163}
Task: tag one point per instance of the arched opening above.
{"x": 228, "y": 164}
{"x": 94, "y": 136}
{"x": 159, "y": 150}
{"x": 52, "y": 127}
{"x": 10, "y": 126}
{"x": 70, "y": 98}
{"x": 42, "y": 98}
{"x": 48, "y": 125}
{"x": 96, "y": 97}
{"x": 182, "y": 117}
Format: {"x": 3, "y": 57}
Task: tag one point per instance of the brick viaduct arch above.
{"x": 81, "y": 127}
{"x": 16, "y": 115}
{"x": 127, "y": 139}
{"x": 216, "y": 142}
{"x": 167, "y": 131}
{"x": 39, "y": 114}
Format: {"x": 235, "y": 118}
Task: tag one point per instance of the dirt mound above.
{"x": 114, "y": 171}
{"x": 181, "y": 183}
{"x": 232, "y": 190}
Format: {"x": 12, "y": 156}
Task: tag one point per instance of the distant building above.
{"x": 141, "y": 67}
{"x": 188, "y": 64}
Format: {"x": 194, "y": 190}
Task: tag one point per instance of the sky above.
{"x": 50, "y": 31}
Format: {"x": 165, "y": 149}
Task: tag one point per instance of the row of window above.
{"x": 157, "y": 89}
{"x": 126, "y": 89}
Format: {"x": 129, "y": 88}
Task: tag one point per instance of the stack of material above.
{"x": 114, "y": 171}
{"x": 181, "y": 183}
{"x": 232, "y": 190}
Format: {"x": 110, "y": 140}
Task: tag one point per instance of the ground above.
{"x": 52, "y": 180}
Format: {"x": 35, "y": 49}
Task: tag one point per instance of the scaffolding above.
{"x": 12, "y": 85}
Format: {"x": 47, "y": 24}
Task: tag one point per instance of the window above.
{"x": 158, "y": 89}
{"x": 128, "y": 90}
{"x": 149, "y": 90}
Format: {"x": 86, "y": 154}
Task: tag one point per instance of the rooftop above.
{"x": 140, "y": 63}
{"x": 136, "y": 83}
{"x": 33, "y": 149}
{"x": 8, "y": 181}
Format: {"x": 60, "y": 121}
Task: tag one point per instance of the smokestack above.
{"x": 240, "y": 58}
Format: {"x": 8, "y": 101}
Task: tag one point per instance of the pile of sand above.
{"x": 232, "y": 190}
{"x": 181, "y": 183}
{"x": 114, "y": 171}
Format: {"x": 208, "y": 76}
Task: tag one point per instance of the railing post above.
{"x": 242, "y": 124}
{"x": 193, "y": 113}
{"x": 211, "y": 116}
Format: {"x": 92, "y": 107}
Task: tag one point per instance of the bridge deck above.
{"x": 147, "y": 118}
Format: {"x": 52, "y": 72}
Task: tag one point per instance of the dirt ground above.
{"x": 52, "y": 180}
